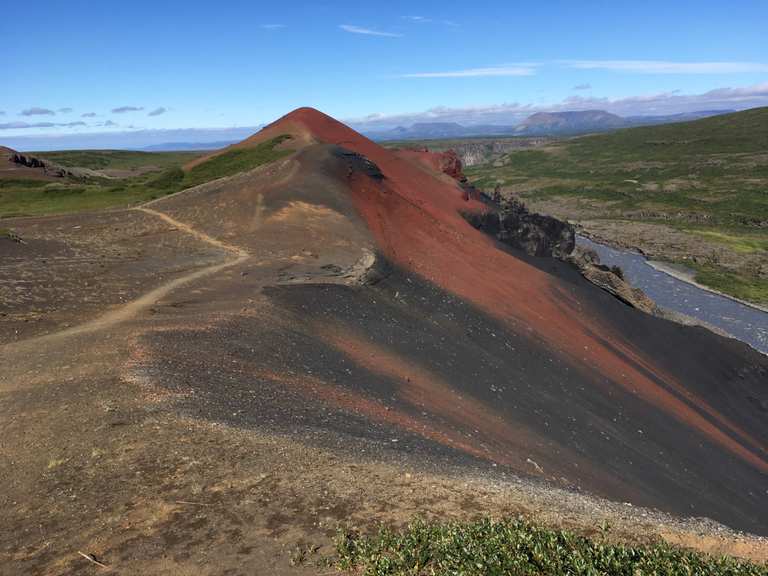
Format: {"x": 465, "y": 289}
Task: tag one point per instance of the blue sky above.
{"x": 78, "y": 68}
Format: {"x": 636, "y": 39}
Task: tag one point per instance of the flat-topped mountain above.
{"x": 570, "y": 122}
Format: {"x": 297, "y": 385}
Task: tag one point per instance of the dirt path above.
{"x": 134, "y": 307}
{"x": 196, "y": 233}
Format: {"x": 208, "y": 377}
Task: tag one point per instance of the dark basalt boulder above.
{"x": 359, "y": 163}
{"x": 537, "y": 234}
{"x": 47, "y": 167}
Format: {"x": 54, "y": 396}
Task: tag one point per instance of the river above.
{"x": 741, "y": 321}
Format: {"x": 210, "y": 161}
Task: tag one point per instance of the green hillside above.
{"x": 708, "y": 178}
{"x": 150, "y": 175}
{"x": 116, "y": 159}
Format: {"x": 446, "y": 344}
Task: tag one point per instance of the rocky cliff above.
{"x": 22, "y": 160}
{"x": 537, "y": 234}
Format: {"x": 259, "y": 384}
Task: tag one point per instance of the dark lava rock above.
{"x": 359, "y": 163}
{"x": 47, "y": 167}
{"x": 537, "y": 234}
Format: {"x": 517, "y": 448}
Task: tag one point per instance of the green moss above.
{"x": 519, "y": 548}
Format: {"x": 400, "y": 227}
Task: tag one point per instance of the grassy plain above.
{"x": 164, "y": 176}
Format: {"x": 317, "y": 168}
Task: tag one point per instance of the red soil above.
{"x": 447, "y": 162}
{"x": 416, "y": 219}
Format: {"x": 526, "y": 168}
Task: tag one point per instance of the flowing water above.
{"x": 741, "y": 321}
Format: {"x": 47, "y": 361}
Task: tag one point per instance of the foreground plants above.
{"x": 517, "y": 547}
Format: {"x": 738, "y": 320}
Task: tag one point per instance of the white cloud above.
{"x": 367, "y": 31}
{"x": 727, "y": 98}
{"x": 668, "y": 67}
{"x": 272, "y": 26}
{"x": 421, "y": 19}
{"x": 516, "y": 70}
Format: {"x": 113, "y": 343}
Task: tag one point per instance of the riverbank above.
{"x": 689, "y": 276}
{"x": 720, "y": 313}
{"x": 677, "y": 271}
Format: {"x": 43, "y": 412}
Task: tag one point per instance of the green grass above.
{"x": 741, "y": 286}
{"x": 37, "y": 197}
{"x": 739, "y": 241}
{"x": 716, "y": 166}
{"x": 117, "y": 159}
{"x": 708, "y": 178}
{"x": 519, "y": 548}
{"x": 235, "y": 161}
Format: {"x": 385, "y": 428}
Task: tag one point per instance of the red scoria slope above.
{"x": 416, "y": 219}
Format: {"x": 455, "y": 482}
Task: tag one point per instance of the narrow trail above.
{"x": 132, "y": 308}
{"x": 196, "y": 233}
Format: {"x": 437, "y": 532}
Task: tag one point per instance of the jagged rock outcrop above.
{"x": 359, "y": 163}
{"x": 48, "y": 167}
{"x": 22, "y": 160}
{"x": 540, "y": 235}
{"x": 451, "y": 164}
{"x": 537, "y": 234}
{"x": 610, "y": 279}
{"x": 475, "y": 153}
{"x": 510, "y": 221}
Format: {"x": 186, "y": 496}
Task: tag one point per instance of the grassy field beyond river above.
{"x": 693, "y": 193}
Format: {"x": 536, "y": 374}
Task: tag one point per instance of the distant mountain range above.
{"x": 539, "y": 124}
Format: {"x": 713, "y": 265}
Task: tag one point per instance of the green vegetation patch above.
{"x": 517, "y": 547}
{"x": 116, "y": 159}
{"x": 744, "y": 287}
{"x": 36, "y": 197}
{"x": 740, "y": 242}
{"x": 715, "y": 168}
{"x": 235, "y": 161}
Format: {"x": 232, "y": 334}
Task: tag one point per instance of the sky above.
{"x": 126, "y": 74}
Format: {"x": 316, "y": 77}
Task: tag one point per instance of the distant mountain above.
{"x": 183, "y": 146}
{"x": 672, "y": 118}
{"x": 569, "y": 123}
{"x": 561, "y": 123}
